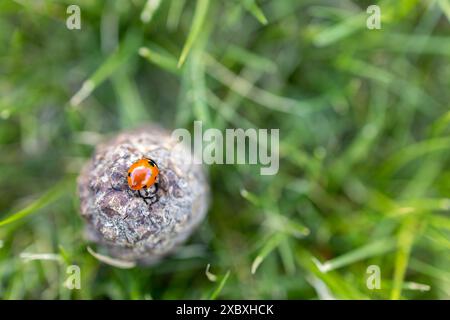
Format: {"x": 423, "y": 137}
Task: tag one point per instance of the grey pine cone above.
{"x": 119, "y": 219}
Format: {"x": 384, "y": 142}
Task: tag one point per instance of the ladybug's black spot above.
{"x": 151, "y": 162}
{"x": 129, "y": 174}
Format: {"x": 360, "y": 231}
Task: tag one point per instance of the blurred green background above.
{"x": 364, "y": 143}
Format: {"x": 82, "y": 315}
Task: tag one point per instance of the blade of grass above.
{"x": 28, "y": 256}
{"x": 440, "y": 125}
{"x": 201, "y": 10}
{"x": 430, "y": 270}
{"x": 370, "y": 250}
{"x": 445, "y": 6}
{"x": 112, "y": 63}
{"x": 50, "y": 196}
{"x": 412, "y": 152}
{"x": 338, "y": 286}
{"x": 220, "y": 286}
{"x": 173, "y": 18}
{"x": 250, "y": 59}
{"x": 252, "y": 198}
{"x": 160, "y": 58}
{"x": 262, "y": 97}
{"x": 402, "y": 87}
{"x": 149, "y": 10}
{"x": 287, "y": 226}
{"x": 437, "y": 45}
{"x": 225, "y": 112}
{"x": 340, "y": 31}
{"x": 439, "y": 238}
{"x": 270, "y": 245}
{"x": 111, "y": 261}
{"x": 196, "y": 70}
{"x": 439, "y": 221}
{"x": 131, "y": 108}
{"x": 228, "y": 105}
{"x": 287, "y": 256}
{"x": 405, "y": 241}
{"x": 414, "y": 286}
{"x": 211, "y": 277}
{"x": 65, "y": 256}
{"x": 256, "y": 11}
{"x": 322, "y": 290}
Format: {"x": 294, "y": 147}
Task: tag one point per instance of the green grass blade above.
{"x": 50, "y": 196}
{"x": 65, "y": 256}
{"x": 286, "y": 225}
{"x": 220, "y": 286}
{"x": 211, "y": 277}
{"x": 445, "y": 6}
{"x": 122, "y": 264}
{"x": 287, "y": 256}
{"x": 149, "y": 10}
{"x": 256, "y": 11}
{"x": 340, "y": 31}
{"x": 114, "y": 61}
{"x": 160, "y": 58}
{"x": 338, "y": 286}
{"x": 251, "y": 59}
{"x": 252, "y": 198}
{"x": 439, "y": 221}
{"x": 270, "y": 245}
{"x": 412, "y": 152}
{"x": 405, "y": 242}
{"x": 430, "y": 270}
{"x": 132, "y": 111}
{"x": 173, "y": 18}
{"x": 370, "y": 250}
{"x": 196, "y": 70}
{"x": 201, "y": 10}
{"x": 262, "y": 97}
{"x": 440, "y": 125}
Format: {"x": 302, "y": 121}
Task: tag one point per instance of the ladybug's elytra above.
{"x": 142, "y": 175}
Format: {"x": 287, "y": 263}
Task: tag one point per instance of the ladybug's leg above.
{"x": 150, "y": 192}
{"x": 144, "y": 195}
{"x": 152, "y": 199}
{"x": 152, "y": 196}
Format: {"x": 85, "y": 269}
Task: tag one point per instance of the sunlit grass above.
{"x": 364, "y": 143}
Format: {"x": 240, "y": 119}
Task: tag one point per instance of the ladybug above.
{"x": 142, "y": 175}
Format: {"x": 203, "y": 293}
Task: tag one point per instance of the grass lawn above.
{"x": 364, "y": 120}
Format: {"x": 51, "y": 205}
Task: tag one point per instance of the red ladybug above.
{"x": 142, "y": 175}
